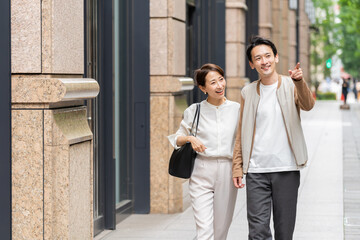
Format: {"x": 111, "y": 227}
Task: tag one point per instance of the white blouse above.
{"x": 216, "y": 130}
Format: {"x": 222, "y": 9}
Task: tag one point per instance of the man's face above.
{"x": 263, "y": 60}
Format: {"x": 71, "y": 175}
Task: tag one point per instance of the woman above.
{"x": 211, "y": 188}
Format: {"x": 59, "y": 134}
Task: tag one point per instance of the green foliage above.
{"x": 325, "y": 40}
{"x": 350, "y": 44}
{"x": 337, "y": 32}
{"x": 325, "y": 96}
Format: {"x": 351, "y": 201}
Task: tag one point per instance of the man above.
{"x": 345, "y": 88}
{"x": 270, "y": 146}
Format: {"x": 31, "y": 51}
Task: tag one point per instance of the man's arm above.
{"x": 303, "y": 95}
{"x": 237, "y": 167}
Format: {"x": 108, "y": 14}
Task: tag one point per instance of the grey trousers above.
{"x": 278, "y": 191}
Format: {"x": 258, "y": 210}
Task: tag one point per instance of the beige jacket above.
{"x": 292, "y": 96}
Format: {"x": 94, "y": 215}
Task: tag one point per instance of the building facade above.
{"x": 96, "y": 86}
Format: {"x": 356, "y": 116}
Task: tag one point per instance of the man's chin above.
{"x": 267, "y": 72}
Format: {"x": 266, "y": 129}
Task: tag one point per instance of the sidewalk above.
{"x": 320, "y": 204}
{"x": 351, "y": 159}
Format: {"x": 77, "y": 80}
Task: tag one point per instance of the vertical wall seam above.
{"x": 43, "y": 155}
{"x": 168, "y": 150}
{"x": 10, "y": 123}
{"x": 41, "y": 35}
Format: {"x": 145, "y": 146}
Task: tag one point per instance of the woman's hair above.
{"x": 256, "y": 41}
{"x": 200, "y": 74}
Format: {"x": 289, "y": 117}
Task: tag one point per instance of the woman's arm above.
{"x": 195, "y": 143}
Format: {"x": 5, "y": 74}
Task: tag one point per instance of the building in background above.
{"x": 83, "y": 159}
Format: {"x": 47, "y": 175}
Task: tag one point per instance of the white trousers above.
{"x": 213, "y": 197}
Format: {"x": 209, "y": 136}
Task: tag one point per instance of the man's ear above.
{"x": 251, "y": 65}
{"x": 277, "y": 58}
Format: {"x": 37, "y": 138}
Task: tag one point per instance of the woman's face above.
{"x": 214, "y": 85}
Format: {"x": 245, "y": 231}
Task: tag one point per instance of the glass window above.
{"x": 92, "y": 105}
{"x": 122, "y": 193}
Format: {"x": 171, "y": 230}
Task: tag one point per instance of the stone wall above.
{"x": 167, "y": 64}
{"x": 52, "y": 171}
{"x": 236, "y": 60}
{"x": 304, "y": 42}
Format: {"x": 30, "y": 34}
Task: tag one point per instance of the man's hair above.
{"x": 256, "y": 41}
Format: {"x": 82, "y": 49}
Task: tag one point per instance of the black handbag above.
{"x": 182, "y": 160}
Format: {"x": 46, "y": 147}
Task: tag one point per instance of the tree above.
{"x": 350, "y": 39}
{"x": 337, "y": 30}
{"x": 325, "y": 35}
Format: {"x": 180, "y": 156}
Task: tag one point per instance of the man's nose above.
{"x": 263, "y": 60}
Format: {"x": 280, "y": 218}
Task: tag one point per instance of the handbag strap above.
{"x": 196, "y": 118}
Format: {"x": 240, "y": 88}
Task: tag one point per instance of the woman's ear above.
{"x": 202, "y": 88}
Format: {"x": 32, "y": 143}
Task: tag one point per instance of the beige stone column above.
{"x": 304, "y": 40}
{"x": 62, "y": 36}
{"x": 236, "y": 59}
{"x": 278, "y": 8}
{"x": 292, "y": 39}
{"x": 265, "y": 18}
{"x": 52, "y": 171}
{"x": 167, "y": 65}
{"x": 47, "y": 37}
{"x": 285, "y": 35}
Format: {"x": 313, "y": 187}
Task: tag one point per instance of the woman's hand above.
{"x": 238, "y": 182}
{"x": 196, "y": 144}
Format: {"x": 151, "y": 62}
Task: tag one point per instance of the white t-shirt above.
{"x": 271, "y": 150}
{"x": 216, "y": 130}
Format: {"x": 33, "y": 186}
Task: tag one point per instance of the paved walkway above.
{"x": 351, "y": 158}
{"x": 320, "y": 205}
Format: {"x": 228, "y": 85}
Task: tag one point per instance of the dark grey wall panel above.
{"x": 5, "y": 121}
{"x": 252, "y": 28}
{"x": 140, "y": 72}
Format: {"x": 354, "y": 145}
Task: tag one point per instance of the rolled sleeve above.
{"x": 303, "y": 95}
{"x": 184, "y": 129}
{"x": 237, "y": 166}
